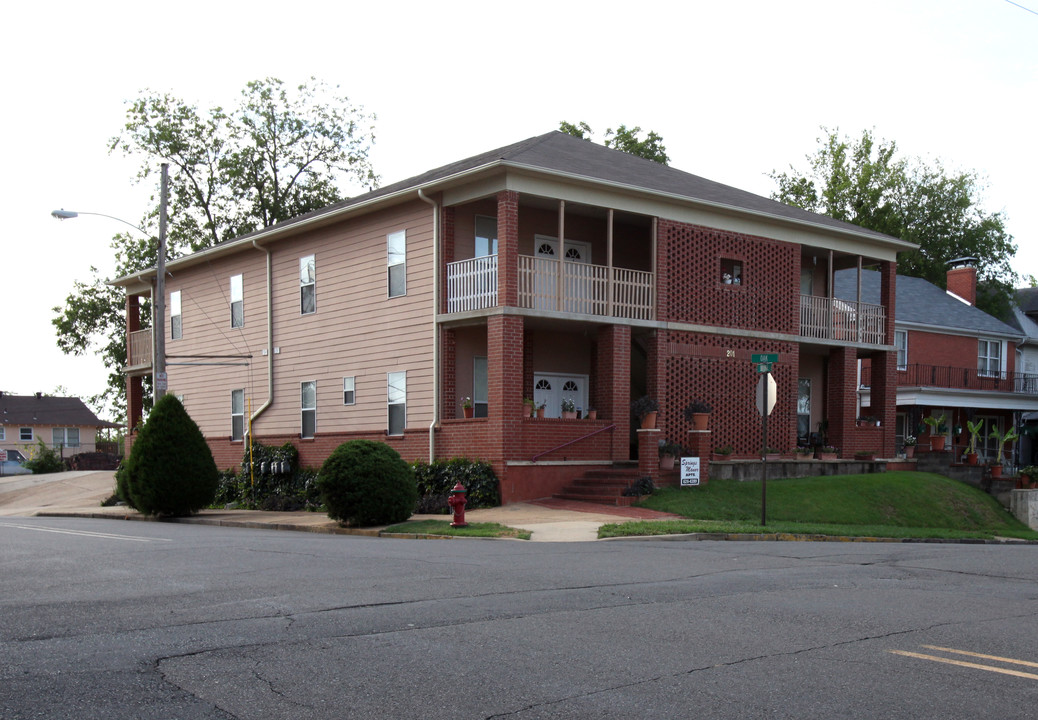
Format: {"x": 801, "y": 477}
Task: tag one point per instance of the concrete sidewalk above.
{"x": 79, "y": 494}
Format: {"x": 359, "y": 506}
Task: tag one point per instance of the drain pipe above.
{"x": 270, "y": 339}
{"x": 436, "y": 325}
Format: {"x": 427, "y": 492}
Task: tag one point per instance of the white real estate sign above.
{"x": 689, "y": 471}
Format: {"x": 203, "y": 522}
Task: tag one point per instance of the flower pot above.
{"x": 825, "y": 456}
{"x": 996, "y": 471}
{"x": 592, "y": 414}
{"x": 971, "y": 458}
{"x": 666, "y": 462}
{"x": 540, "y": 412}
{"x": 649, "y": 420}
{"x": 569, "y": 414}
{"x": 909, "y": 451}
{"x": 719, "y": 457}
{"x": 937, "y": 443}
{"x": 804, "y": 456}
{"x": 700, "y": 421}
{"x": 467, "y": 411}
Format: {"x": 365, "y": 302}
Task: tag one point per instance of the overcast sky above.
{"x": 736, "y": 89}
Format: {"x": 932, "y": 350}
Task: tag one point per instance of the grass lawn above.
{"x": 443, "y": 527}
{"x": 892, "y": 504}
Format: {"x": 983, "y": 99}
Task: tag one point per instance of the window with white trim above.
{"x": 237, "y": 414}
{"x": 237, "y": 302}
{"x": 901, "y": 344}
{"x": 989, "y": 358}
{"x": 486, "y": 236}
{"x": 396, "y": 260}
{"x": 396, "y": 396}
{"x": 3, "y": 433}
{"x": 480, "y": 387}
{"x": 307, "y": 285}
{"x": 176, "y": 321}
{"x": 349, "y": 394}
{"x": 66, "y": 437}
{"x": 308, "y": 408}
{"x": 25, "y": 434}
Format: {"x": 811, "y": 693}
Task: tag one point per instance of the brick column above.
{"x": 448, "y": 373}
{"x": 656, "y": 382}
{"x": 841, "y": 399}
{"x": 507, "y": 248}
{"x": 649, "y": 453}
{"x": 446, "y": 251}
{"x": 883, "y": 393}
{"x": 504, "y": 385}
{"x": 700, "y": 442}
{"x": 613, "y": 384}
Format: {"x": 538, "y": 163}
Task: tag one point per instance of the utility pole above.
{"x": 159, "y": 380}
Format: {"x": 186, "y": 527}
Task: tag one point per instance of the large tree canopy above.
{"x": 624, "y": 140}
{"x": 864, "y": 182}
{"x": 279, "y": 153}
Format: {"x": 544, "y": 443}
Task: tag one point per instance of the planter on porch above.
{"x": 467, "y": 411}
{"x": 971, "y": 458}
{"x": 996, "y": 471}
{"x": 592, "y": 414}
{"x": 569, "y": 414}
{"x": 666, "y": 462}
{"x": 937, "y": 443}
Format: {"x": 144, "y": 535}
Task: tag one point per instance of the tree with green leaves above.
{"x": 866, "y": 183}
{"x": 623, "y": 139}
{"x": 279, "y": 153}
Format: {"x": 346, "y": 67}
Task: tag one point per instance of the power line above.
{"x": 1033, "y": 12}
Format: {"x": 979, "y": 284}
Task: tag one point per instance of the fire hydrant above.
{"x": 457, "y": 502}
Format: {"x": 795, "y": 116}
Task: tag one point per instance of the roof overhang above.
{"x": 955, "y": 398}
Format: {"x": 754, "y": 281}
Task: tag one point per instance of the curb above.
{"x": 797, "y": 537}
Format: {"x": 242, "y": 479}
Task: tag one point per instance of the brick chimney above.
{"x": 962, "y": 278}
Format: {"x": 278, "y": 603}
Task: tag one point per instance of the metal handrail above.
{"x": 584, "y": 437}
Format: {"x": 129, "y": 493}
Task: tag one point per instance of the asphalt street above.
{"x": 114, "y": 619}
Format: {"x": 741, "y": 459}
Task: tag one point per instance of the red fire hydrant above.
{"x": 457, "y": 502}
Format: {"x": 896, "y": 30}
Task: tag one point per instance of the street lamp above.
{"x": 158, "y": 305}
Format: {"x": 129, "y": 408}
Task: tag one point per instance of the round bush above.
{"x": 170, "y": 470}
{"x": 367, "y": 483}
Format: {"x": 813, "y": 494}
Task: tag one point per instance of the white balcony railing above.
{"x": 824, "y": 318}
{"x": 586, "y": 289}
{"x": 138, "y": 352}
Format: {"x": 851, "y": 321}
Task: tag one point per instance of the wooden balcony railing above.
{"x": 960, "y": 379}
{"x": 138, "y": 352}
{"x": 586, "y": 289}
{"x": 823, "y": 318}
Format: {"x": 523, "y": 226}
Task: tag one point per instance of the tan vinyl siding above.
{"x": 356, "y": 330}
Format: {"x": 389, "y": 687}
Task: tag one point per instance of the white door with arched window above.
{"x": 554, "y": 388}
{"x": 546, "y": 274}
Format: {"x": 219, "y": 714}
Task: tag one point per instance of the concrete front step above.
{"x": 602, "y": 485}
{"x": 615, "y": 501}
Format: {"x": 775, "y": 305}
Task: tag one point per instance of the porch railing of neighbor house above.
{"x": 586, "y": 288}
{"x": 960, "y": 379}
{"x": 824, "y": 318}
{"x": 139, "y": 348}
{"x": 472, "y": 284}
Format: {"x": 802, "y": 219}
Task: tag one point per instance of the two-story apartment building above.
{"x": 550, "y": 269}
{"x": 953, "y": 359}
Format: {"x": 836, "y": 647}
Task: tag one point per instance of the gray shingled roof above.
{"x": 558, "y": 152}
{"x": 922, "y": 302}
{"x": 28, "y": 410}
{"x": 1027, "y": 299}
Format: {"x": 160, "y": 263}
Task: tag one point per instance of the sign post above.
{"x": 766, "y": 394}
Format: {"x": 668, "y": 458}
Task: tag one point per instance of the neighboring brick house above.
{"x": 953, "y": 359}
{"x": 1025, "y": 319}
{"x": 375, "y": 316}
{"x": 63, "y": 423}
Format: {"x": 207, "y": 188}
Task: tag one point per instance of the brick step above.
{"x": 596, "y": 490}
{"x": 615, "y": 501}
{"x": 621, "y": 473}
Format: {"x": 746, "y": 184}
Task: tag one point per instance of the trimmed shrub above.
{"x": 170, "y": 470}
{"x": 364, "y": 482}
{"x": 436, "y": 480}
{"x": 269, "y": 478}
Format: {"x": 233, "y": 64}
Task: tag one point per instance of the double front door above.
{"x": 552, "y": 389}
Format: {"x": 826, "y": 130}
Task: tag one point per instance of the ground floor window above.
{"x": 25, "y": 434}
{"x": 308, "y": 406}
{"x": 237, "y": 414}
{"x": 66, "y": 437}
{"x": 479, "y": 387}
{"x": 396, "y": 396}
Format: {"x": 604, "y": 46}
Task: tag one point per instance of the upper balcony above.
{"x": 582, "y": 288}
{"x": 139, "y": 351}
{"x": 824, "y": 318}
{"x": 957, "y": 378}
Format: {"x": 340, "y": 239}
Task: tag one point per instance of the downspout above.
{"x": 436, "y": 325}
{"x": 270, "y": 339}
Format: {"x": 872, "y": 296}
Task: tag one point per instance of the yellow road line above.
{"x": 962, "y": 663}
{"x": 983, "y": 656}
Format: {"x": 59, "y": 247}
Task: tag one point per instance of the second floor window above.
{"x": 176, "y": 323}
{"x": 731, "y": 272}
{"x": 349, "y": 395}
{"x": 237, "y": 302}
{"x": 307, "y": 285}
{"x": 901, "y": 343}
{"x": 989, "y": 358}
{"x": 396, "y": 259}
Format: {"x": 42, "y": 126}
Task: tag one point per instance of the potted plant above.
{"x": 668, "y": 452}
{"x": 528, "y": 407}
{"x": 937, "y": 431}
{"x": 867, "y": 421}
{"x": 540, "y": 410}
{"x": 865, "y": 455}
{"x": 827, "y": 452}
{"x": 1001, "y": 440}
{"x": 975, "y": 429}
{"x": 910, "y": 441}
{"x": 1028, "y": 477}
{"x": 569, "y": 409}
{"x": 769, "y": 453}
{"x": 466, "y": 406}
{"x": 803, "y": 452}
{"x": 697, "y": 412}
{"x": 723, "y": 453}
{"x": 592, "y": 413}
{"x": 645, "y": 409}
